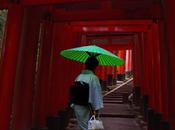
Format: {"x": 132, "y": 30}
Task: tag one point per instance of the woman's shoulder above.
{"x": 94, "y": 76}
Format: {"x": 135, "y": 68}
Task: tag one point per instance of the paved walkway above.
{"x": 120, "y": 124}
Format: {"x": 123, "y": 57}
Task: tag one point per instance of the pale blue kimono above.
{"x": 82, "y": 113}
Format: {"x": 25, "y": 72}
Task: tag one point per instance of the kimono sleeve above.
{"x": 95, "y": 93}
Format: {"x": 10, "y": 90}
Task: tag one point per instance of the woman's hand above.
{"x": 96, "y": 112}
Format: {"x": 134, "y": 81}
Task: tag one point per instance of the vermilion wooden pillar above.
{"x": 128, "y": 61}
{"x": 152, "y": 74}
{"x": 121, "y": 54}
{"x": 99, "y": 72}
{"x": 157, "y": 68}
{"x": 109, "y": 69}
{"x": 58, "y": 76}
{"x": 144, "y": 62}
{"x": 164, "y": 67}
{"x": 25, "y": 90}
{"x": 43, "y": 80}
{"x": 105, "y": 72}
{"x": 137, "y": 62}
{"x": 149, "y": 80}
{"x": 64, "y": 71}
{"x": 115, "y": 72}
{"x": 114, "y": 68}
{"x": 170, "y": 40}
{"x": 9, "y": 63}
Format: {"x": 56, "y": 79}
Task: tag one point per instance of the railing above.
{"x": 111, "y": 91}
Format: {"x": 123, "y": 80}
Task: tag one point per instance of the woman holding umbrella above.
{"x": 82, "y": 112}
{"x": 92, "y": 56}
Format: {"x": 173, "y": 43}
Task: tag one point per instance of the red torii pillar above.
{"x": 147, "y": 68}
{"x": 164, "y": 76}
{"x": 169, "y": 41}
{"x": 9, "y": 63}
{"x": 121, "y": 69}
{"x": 143, "y": 70}
{"x": 115, "y": 69}
{"x": 157, "y": 70}
{"x": 99, "y": 72}
{"x": 137, "y": 62}
{"x": 105, "y": 72}
{"x": 128, "y": 61}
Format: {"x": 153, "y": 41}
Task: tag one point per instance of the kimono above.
{"x": 82, "y": 113}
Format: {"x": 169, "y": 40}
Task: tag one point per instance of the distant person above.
{"x": 95, "y": 99}
{"x": 130, "y": 99}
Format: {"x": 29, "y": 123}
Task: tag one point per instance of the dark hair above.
{"x": 91, "y": 63}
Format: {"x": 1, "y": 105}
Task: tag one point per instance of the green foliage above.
{"x": 3, "y": 16}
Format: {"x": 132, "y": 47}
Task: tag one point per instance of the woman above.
{"x": 82, "y": 112}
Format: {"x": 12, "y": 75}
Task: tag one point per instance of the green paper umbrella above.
{"x": 104, "y": 57}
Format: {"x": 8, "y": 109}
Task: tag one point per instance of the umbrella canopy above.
{"x": 104, "y": 57}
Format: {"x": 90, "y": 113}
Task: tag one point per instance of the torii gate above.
{"x": 31, "y": 26}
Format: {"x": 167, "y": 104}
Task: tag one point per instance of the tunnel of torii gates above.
{"x": 35, "y": 79}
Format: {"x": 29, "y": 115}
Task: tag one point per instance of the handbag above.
{"x": 94, "y": 124}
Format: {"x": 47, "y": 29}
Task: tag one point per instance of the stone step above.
{"x": 117, "y": 115}
{"x": 113, "y": 96}
{"x": 115, "y": 102}
{"x": 72, "y": 125}
{"x": 116, "y": 93}
{"x": 73, "y": 120}
{"x": 113, "y": 99}
{"x": 69, "y": 128}
{"x": 39, "y": 129}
